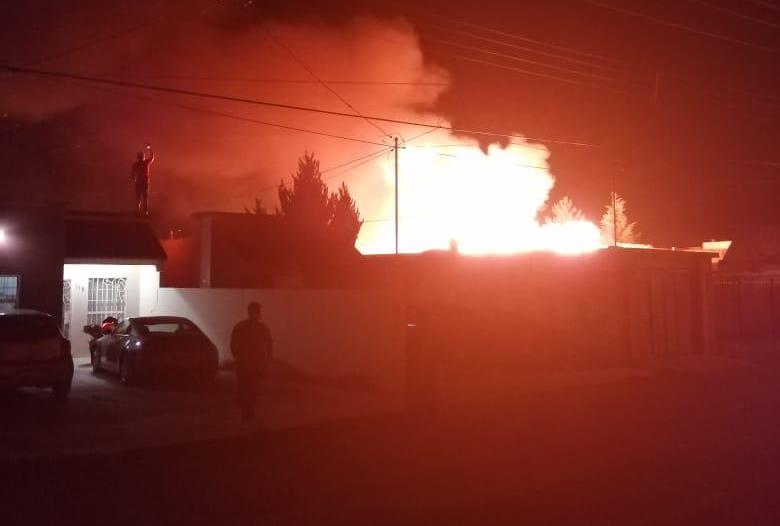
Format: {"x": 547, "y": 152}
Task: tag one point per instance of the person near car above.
{"x": 251, "y": 346}
{"x": 142, "y": 174}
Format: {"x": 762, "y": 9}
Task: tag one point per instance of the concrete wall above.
{"x": 351, "y": 335}
{"x": 33, "y": 249}
{"x": 141, "y": 295}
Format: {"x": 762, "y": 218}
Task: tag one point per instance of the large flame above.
{"x": 486, "y": 201}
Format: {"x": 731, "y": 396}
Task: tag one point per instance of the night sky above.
{"x": 695, "y": 160}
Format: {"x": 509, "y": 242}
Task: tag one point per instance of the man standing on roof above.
{"x": 142, "y": 174}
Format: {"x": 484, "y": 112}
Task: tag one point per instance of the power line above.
{"x": 229, "y": 98}
{"x": 768, "y": 5}
{"x": 226, "y": 115}
{"x": 451, "y": 20}
{"x": 364, "y": 158}
{"x": 521, "y": 59}
{"x": 90, "y": 43}
{"x": 525, "y": 48}
{"x": 301, "y": 63}
{"x": 275, "y": 80}
{"x": 531, "y": 73}
{"x": 736, "y": 13}
{"x": 361, "y": 158}
{"x": 631, "y": 66}
{"x": 681, "y": 27}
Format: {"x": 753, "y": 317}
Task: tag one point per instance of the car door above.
{"x": 112, "y": 348}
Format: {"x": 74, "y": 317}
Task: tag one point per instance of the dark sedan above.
{"x": 150, "y": 346}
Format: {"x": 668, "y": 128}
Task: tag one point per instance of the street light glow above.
{"x": 2, "y": 235}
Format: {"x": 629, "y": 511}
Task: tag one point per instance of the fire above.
{"x": 487, "y": 201}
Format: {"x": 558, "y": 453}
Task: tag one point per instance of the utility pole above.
{"x": 614, "y": 212}
{"x": 395, "y": 141}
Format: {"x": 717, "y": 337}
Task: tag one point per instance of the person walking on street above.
{"x": 142, "y": 174}
{"x": 251, "y": 346}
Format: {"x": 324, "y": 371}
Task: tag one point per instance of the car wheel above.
{"x": 95, "y": 362}
{"x": 124, "y": 372}
{"x": 61, "y": 391}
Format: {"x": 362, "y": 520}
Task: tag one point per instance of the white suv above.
{"x": 34, "y": 353}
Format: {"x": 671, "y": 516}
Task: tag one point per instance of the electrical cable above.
{"x": 229, "y": 98}
{"x": 531, "y": 73}
{"x": 520, "y": 59}
{"x": 300, "y": 62}
{"x": 272, "y": 80}
{"x": 736, "y": 13}
{"x": 682, "y": 27}
{"x": 226, "y": 115}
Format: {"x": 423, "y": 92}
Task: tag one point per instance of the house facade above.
{"x": 79, "y": 267}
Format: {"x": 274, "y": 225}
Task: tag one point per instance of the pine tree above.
{"x": 257, "y": 209}
{"x": 626, "y": 232}
{"x": 306, "y": 203}
{"x": 346, "y": 221}
{"x": 564, "y": 211}
{"x": 311, "y": 211}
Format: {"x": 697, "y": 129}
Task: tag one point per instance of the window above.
{"x": 9, "y": 292}
{"x": 66, "y": 312}
{"x": 105, "y": 297}
{"x": 168, "y": 326}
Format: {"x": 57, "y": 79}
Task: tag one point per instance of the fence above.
{"x": 744, "y": 313}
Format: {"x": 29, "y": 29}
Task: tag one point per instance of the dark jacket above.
{"x": 251, "y": 344}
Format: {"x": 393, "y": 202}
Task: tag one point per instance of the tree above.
{"x": 257, "y": 209}
{"x": 564, "y": 211}
{"x": 310, "y": 210}
{"x": 346, "y": 221}
{"x": 306, "y": 203}
{"x": 617, "y": 218}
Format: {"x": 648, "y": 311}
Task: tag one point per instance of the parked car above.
{"x": 149, "y": 346}
{"x": 34, "y": 353}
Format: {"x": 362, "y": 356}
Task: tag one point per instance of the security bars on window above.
{"x": 9, "y": 292}
{"x": 106, "y": 297}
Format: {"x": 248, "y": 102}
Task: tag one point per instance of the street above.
{"x": 684, "y": 445}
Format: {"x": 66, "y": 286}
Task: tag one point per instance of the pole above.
{"x": 614, "y": 212}
{"x": 395, "y": 140}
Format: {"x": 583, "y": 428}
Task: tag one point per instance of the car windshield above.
{"x": 27, "y": 327}
{"x": 167, "y": 327}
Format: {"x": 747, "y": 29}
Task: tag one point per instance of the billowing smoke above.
{"x": 486, "y": 199}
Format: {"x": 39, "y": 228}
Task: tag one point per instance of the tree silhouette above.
{"x": 306, "y": 203}
{"x": 346, "y": 221}
{"x": 617, "y": 219}
{"x": 257, "y": 209}
{"x": 564, "y": 211}
{"x": 310, "y": 210}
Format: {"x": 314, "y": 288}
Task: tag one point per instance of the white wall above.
{"x": 142, "y": 285}
{"x": 330, "y": 333}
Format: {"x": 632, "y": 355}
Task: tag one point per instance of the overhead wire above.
{"x": 532, "y": 73}
{"x": 681, "y": 27}
{"x": 225, "y": 114}
{"x": 734, "y": 13}
{"x": 356, "y": 162}
{"x": 768, "y": 5}
{"x": 245, "y": 100}
{"x": 275, "y": 80}
{"x": 520, "y": 59}
{"x": 311, "y": 72}
{"x": 527, "y": 49}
